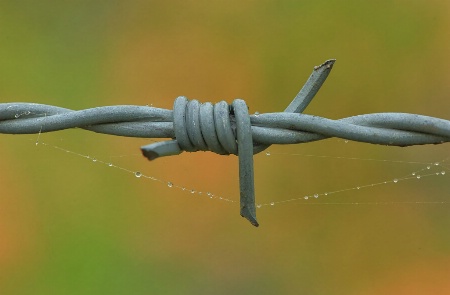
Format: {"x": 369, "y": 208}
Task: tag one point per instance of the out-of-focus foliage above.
{"x": 71, "y": 226}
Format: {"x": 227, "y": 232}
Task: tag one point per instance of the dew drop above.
{"x": 443, "y": 172}
{"x": 94, "y": 160}
{"x": 256, "y": 114}
{"x": 316, "y": 196}
{"x": 110, "y": 164}
{"x": 208, "y": 193}
{"x": 192, "y": 191}
{"x": 395, "y": 180}
{"x": 414, "y": 173}
{"x": 306, "y": 197}
{"x": 428, "y": 167}
{"x": 418, "y": 176}
{"x": 326, "y": 194}
{"x": 137, "y": 174}
{"x": 169, "y": 184}
{"x": 272, "y": 203}
{"x": 436, "y": 164}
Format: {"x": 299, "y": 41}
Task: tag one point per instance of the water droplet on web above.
{"x": 183, "y": 188}
{"x": 316, "y": 196}
{"x": 418, "y": 176}
{"x": 326, "y": 194}
{"x": 306, "y": 197}
{"x": 443, "y": 172}
{"x": 137, "y": 174}
{"x": 428, "y": 167}
{"x": 272, "y": 203}
{"x": 16, "y": 116}
{"x": 395, "y": 180}
{"x": 192, "y": 191}
{"x": 94, "y": 160}
{"x": 169, "y": 184}
{"x": 110, "y": 164}
{"x": 256, "y": 114}
{"x": 258, "y": 206}
{"x": 357, "y": 187}
{"x": 345, "y": 141}
{"x": 267, "y": 153}
{"x": 414, "y": 173}
{"x": 436, "y": 164}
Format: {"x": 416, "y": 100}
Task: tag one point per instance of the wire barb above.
{"x": 228, "y": 129}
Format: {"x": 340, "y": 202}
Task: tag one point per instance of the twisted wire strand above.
{"x": 228, "y": 129}
{"x": 396, "y": 129}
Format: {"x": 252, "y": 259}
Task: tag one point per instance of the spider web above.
{"x": 306, "y": 172}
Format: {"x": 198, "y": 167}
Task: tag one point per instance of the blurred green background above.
{"x": 72, "y": 226}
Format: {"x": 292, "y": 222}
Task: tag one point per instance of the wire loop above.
{"x": 223, "y": 129}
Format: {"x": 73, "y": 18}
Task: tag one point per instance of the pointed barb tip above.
{"x": 250, "y": 216}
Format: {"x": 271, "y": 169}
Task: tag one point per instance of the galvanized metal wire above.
{"x": 228, "y": 129}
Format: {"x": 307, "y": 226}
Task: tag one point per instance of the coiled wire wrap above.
{"x": 222, "y": 129}
{"x": 228, "y": 129}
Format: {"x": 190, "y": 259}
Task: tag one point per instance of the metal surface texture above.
{"x": 228, "y": 129}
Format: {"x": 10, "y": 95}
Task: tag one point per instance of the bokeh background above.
{"x": 69, "y": 225}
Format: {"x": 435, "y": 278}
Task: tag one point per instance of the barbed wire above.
{"x": 228, "y": 129}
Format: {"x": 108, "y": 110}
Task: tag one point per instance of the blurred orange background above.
{"x": 69, "y": 225}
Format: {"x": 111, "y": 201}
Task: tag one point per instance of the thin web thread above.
{"x": 139, "y": 174}
{"x": 304, "y": 199}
